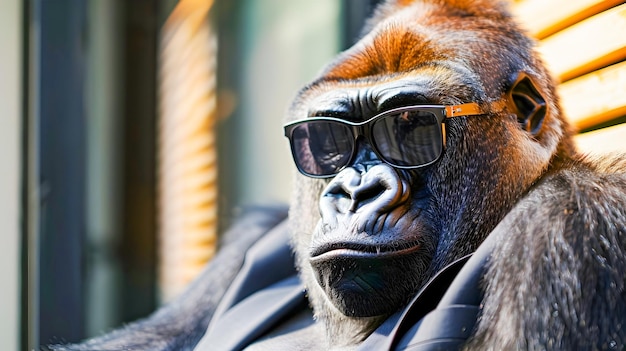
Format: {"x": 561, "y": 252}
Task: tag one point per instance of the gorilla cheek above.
{"x": 367, "y": 285}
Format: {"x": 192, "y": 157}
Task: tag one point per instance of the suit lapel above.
{"x": 254, "y": 316}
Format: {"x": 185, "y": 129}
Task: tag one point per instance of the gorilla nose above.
{"x": 379, "y": 189}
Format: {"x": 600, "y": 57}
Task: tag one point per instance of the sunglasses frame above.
{"x": 358, "y": 129}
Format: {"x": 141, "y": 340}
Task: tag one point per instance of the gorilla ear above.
{"x": 527, "y": 103}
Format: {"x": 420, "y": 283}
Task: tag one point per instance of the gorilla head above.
{"x": 412, "y": 146}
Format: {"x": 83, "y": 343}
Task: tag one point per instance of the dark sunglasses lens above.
{"x": 321, "y": 147}
{"x": 409, "y": 138}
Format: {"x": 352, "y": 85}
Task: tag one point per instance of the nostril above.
{"x": 367, "y": 194}
{"x": 338, "y": 192}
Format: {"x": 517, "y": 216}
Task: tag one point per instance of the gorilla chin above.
{"x": 362, "y": 280}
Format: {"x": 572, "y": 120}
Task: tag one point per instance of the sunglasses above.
{"x": 406, "y": 138}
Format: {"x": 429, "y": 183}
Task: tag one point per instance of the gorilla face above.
{"x": 384, "y": 218}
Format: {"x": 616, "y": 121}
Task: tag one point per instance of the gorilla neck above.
{"x": 342, "y": 332}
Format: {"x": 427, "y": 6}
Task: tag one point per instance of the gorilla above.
{"x": 439, "y": 131}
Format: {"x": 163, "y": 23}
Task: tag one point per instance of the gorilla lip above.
{"x": 362, "y": 250}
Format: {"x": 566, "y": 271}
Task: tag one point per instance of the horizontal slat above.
{"x": 596, "y": 97}
{"x": 612, "y": 139}
{"x": 588, "y": 45}
{"x": 542, "y": 18}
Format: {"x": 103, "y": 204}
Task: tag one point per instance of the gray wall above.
{"x": 10, "y": 117}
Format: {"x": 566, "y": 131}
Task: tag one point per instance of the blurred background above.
{"x": 134, "y": 132}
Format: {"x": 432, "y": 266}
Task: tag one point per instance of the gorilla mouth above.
{"x": 330, "y": 250}
{"x": 361, "y": 279}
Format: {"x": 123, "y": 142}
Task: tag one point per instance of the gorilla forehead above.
{"x": 362, "y": 101}
{"x": 425, "y": 65}
{"x": 435, "y": 83}
{"x": 422, "y": 42}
